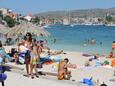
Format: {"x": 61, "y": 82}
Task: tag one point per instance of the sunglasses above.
{"x": 27, "y": 35}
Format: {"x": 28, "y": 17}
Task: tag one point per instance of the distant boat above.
{"x": 66, "y": 22}
{"x": 109, "y": 24}
{"x": 72, "y": 25}
{"x": 90, "y": 23}
{"x": 45, "y": 26}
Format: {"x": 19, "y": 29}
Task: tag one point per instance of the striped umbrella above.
{"x": 4, "y": 29}
{"x": 27, "y": 27}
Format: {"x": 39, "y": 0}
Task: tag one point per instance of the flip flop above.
{"x": 26, "y": 75}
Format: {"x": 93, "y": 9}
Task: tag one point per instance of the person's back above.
{"x": 61, "y": 70}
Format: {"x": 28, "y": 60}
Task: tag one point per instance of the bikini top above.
{"x": 28, "y": 45}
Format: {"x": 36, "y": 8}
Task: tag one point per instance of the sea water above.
{"x": 78, "y": 38}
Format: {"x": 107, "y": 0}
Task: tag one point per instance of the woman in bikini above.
{"x": 35, "y": 58}
{"x": 28, "y": 44}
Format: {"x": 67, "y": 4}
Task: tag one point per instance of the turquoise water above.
{"x": 76, "y": 38}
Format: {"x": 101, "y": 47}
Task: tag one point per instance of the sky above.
{"x": 38, "y": 6}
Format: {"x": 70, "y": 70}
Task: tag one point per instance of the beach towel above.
{"x": 21, "y": 60}
{"x": 56, "y": 58}
{"x": 98, "y": 63}
{"x": 87, "y": 81}
{"x": 22, "y": 57}
{"x": 1, "y": 59}
{"x": 23, "y": 49}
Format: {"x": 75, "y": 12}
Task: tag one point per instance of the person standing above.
{"x": 28, "y": 45}
{"x": 35, "y": 58}
{"x": 113, "y": 45}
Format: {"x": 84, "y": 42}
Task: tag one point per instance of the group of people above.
{"x": 32, "y": 54}
{"x": 112, "y": 53}
{"x": 32, "y": 50}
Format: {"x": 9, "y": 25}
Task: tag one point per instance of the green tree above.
{"x": 10, "y": 21}
{"x": 36, "y": 20}
{"x": 109, "y": 18}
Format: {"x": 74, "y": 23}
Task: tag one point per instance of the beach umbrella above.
{"x": 3, "y": 29}
{"x": 27, "y": 27}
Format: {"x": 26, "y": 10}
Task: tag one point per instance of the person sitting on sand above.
{"x": 42, "y": 46}
{"x": 111, "y": 55}
{"x": 63, "y": 72}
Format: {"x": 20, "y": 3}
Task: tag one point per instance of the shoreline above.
{"x": 103, "y": 74}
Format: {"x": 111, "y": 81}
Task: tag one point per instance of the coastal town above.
{"x": 107, "y": 19}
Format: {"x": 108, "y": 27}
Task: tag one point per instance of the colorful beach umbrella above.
{"x": 27, "y": 27}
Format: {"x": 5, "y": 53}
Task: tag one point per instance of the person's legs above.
{"x": 36, "y": 72}
{"x": 31, "y": 70}
{"x": 27, "y": 62}
{"x": 67, "y": 75}
{"x": 61, "y": 75}
{"x": 27, "y": 69}
{"x": 2, "y": 83}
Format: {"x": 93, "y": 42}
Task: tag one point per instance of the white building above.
{"x": 28, "y": 18}
{"x": 4, "y": 11}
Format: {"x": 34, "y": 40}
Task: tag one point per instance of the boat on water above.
{"x": 109, "y": 24}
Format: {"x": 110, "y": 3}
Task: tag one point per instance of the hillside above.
{"x": 78, "y": 13}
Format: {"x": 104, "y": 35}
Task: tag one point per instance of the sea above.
{"x": 80, "y": 37}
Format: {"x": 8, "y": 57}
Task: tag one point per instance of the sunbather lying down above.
{"x": 55, "y": 52}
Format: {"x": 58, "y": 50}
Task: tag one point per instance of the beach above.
{"x": 103, "y": 74}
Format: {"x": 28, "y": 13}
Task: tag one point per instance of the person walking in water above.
{"x": 113, "y": 45}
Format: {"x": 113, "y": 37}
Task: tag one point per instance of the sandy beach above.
{"x": 103, "y": 74}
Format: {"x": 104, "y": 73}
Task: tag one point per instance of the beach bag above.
{"x": 40, "y": 65}
{"x": 89, "y": 82}
{"x": 106, "y": 62}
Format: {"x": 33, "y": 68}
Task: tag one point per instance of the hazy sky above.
{"x": 37, "y": 6}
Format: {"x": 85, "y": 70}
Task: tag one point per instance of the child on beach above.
{"x": 111, "y": 55}
{"x": 63, "y": 72}
{"x": 35, "y": 56}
